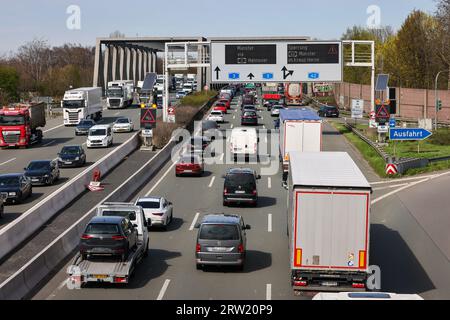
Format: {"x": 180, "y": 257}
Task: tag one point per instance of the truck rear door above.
{"x": 331, "y": 229}
{"x": 312, "y": 137}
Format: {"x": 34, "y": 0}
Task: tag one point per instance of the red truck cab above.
{"x": 19, "y": 124}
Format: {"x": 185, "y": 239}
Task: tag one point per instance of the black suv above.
{"x": 108, "y": 235}
{"x": 42, "y": 172}
{"x": 249, "y": 117}
{"x": 240, "y": 187}
{"x": 328, "y": 111}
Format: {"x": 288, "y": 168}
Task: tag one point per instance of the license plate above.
{"x": 100, "y": 276}
{"x": 188, "y": 171}
{"x": 240, "y": 191}
{"x": 329, "y": 284}
{"x": 68, "y": 162}
{"x": 218, "y": 249}
{"x": 35, "y": 180}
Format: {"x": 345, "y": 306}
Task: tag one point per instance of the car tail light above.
{"x": 120, "y": 279}
{"x": 158, "y": 213}
{"x": 225, "y": 191}
{"x": 86, "y": 237}
{"x": 300, "y": 283}
{"x": 241, "y": 248}
{"x": 254, "y": 192}
{"x": 358, "y": 285}
{"x": 197, "y": 247}
{"x": 118, "y": 237}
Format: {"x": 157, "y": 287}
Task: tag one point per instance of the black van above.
{"x": 240, "y": 187}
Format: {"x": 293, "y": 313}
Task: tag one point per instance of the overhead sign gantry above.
{"x": 278, "y": 61}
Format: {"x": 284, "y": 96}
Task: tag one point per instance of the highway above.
{"x": 404, "y": 243}
{"x": 56, "y": 135}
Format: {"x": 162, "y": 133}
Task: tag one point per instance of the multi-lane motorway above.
{"x": 407, "y": 238}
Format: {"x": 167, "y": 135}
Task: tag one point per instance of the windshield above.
{"x": 216, "y": 113}
{"x": 102, "y": 228}
{"x": 39, "y": 165}
{"x": 9, "y": 181}
{"x": 149, "y": 204}
{"x": 97, "y": 132}
{"x": 117, "y": 92}
{"x": 71, "y": 104}
{"x": 123, "y": 120}
{"x": 70, "y": 150}
{"x": 119, "y": 213}
{"x": 86, "y": 123}
{"x": 12, "y": 120}
{"x": 245, "y": 180}
{"x": 219, "y": 232}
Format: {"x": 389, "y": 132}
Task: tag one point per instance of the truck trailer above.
{"x": 293, "y": 94}
{"x": 20, "y": 123}
{"x": 82, "y": 103}
{"x": 119, "y": 94}
{"x": 328, "y": 222}
{"x": 300, "y": 130}
{"x": 109, "y": 269}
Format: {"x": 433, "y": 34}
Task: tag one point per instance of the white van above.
{"x": 188, "y": 88}
{"x": 99, "y": 136}
{"x": 244, "y": 142}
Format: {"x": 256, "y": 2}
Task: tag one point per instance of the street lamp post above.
{"x": 436, "y": 98}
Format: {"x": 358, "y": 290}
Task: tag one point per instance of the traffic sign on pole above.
{"x": 409, "y": 134}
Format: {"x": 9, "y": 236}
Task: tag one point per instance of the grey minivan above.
{"x": 221, "y": 240}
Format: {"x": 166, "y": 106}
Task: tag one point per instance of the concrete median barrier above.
{"x": 34, "y": 218}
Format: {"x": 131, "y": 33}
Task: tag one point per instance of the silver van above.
{"x": 221, "y": 240}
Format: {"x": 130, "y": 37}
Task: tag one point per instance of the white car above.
{"x": 216, "y": 116}
{"x": 157, "y": 209}
{"x": 180, "y": 94}
{"x": 123, "y": 124}
{"x": 99, "y": 136}
{"x": 276, "y": 110}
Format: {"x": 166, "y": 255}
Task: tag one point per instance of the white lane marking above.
{"x": 262, "y": 118}
{"x": 264, "y": 126}
{"x": 161, "y": 179}
{"x": 265, "y": 139}
{"x": 84, "y": 144}
{"x": 59, "y": 126}
{"x": 234, "y": 117}
{"x": 231, "y": 127}
{"x": 194, "y": 221}
{"x": 8, "y": 161}
{"x": 163, "y": 289}
{"x": 268, "y": 291}
{"x": 409, "y": 186}
{"x": 269, "y": 182}
{"x": 212, "y": 182}
{"x": 404, "y": 179}
{"x": 48, "y": 143}
{"x": 269, "y": 222}
{"x": 390, "y": 187}
{"x": 221, "y": 156}
{"x": 117, "y": 113}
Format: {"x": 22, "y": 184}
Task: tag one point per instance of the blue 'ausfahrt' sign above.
{"x": 409, "y": 134}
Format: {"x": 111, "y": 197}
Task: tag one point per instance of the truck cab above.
{"x": 119, "y": 94}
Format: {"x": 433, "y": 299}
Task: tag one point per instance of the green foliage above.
{"x": 198, "y": 98}
{"x": 9, "y": 81}
{"x": 441, "y": 137}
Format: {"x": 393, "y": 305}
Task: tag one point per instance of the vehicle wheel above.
{"x": 146, "y": 250}
{"x": 241, "y": 267}
{"x": 31, "y": 192}
{"x": 198, "y": 266}
{"x": 225, "y": 204}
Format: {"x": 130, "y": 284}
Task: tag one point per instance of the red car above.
{"x": 190, "y": 164}
{"x": 226, "y": 102}
{"x": 221, "y": 107}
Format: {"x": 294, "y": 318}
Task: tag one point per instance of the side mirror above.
{"x": 258, "y": 176}
{"x": 197, "y": 225}
{"x": 248, "y": 227}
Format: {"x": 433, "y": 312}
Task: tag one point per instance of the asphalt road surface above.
{"x": 409, "y": 246}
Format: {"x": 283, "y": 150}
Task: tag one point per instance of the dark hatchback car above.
{"x": 42, "y": 172}
{"x": 221, "y": 240}
{"x": 249, "y": 118}
{"x": 83, "y": 126}
{"x": 328, "y": 111}
{"x": 108, "y": 236}
{"x": 240, "y": 187}
{"x": 71, "y": 156}
{"x": 15, "y": 187}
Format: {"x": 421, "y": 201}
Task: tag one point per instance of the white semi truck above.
{"x": 111, "y": 270}
{"x": 82, "y": 103}
{"x": 328, "y": 222}
{"x": 300, "y": 130}
{"x": 119, "y": 94}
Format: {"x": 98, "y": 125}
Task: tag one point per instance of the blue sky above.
{"x": 22, "y": 20}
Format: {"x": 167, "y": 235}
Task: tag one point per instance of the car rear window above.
{"x": 118, "y": 213}
{"x": 102, "y": 228}
{"x": 149, "y": 204}
{"x": 240, "y": 179}
{"x": 219, "y": 232}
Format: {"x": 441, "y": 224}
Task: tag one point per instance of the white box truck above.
{"x": 82, "y": 103}
{"x": 119, "y": 94}
{"x": 328, "y": 222}
{"x": 300, "y": 130}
